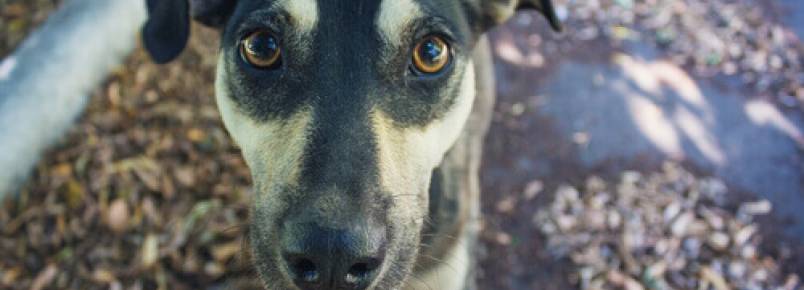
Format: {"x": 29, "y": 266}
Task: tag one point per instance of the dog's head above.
{"x": 342, "y": 109}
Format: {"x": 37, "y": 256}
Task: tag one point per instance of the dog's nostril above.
{"x": 325, "y": 258}
{"x": 357, "y": 273}
{"x": 305, "y": 270}
{"x": 361, "y": 272}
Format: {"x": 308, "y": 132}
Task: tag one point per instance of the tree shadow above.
{"x": 633, "y": 107}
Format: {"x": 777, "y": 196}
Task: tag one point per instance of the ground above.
{"x": 148, "y": 191}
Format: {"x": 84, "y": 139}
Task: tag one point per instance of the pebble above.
{"x": 595, "y": 219}
{"x": 737, "y": 269}
{"x": 565, "y": 222}
{"x": 712, "y": 218}
{"x": 671, "y": 211}
{"x": 679, "y": 227}
{"x": 745, "y": 233}
{"x": 506, "y": 205}
{"x": 718, "y": 241}
{"x": 748, "y": 252}
{"x": 614, "y": 219}
{"x": 532, "y": 189}
{"x": 761, "y": 207}
{"x": 503, "y": 238}
{"x": 693, "y": 247}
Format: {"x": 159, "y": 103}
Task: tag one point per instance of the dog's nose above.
{"x": 325, "y": 258}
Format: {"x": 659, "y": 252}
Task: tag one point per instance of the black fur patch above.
{"x": 167, "y": 30}
{"x": 341, "y": 152}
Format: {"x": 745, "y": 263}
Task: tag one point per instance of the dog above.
{"x": 362, "y": 124}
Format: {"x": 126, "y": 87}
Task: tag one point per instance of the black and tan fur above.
{"x": 343, "y": 135}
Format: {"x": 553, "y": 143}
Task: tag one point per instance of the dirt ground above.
{"x": 147, "y": 191}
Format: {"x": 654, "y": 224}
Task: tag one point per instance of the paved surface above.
{"x": 634, "y": 111}
{"x": 795, "y": 15}
{"x": 590, "y": 110}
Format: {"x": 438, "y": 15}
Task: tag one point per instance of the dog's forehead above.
{"x": 389, "y": 17}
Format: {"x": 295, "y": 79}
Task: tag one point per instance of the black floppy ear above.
{"x": 212, "y": 13}
{"x": 167, "y": 30}
{"x": 546, "y": 8}
{"x": 495, "y": 12}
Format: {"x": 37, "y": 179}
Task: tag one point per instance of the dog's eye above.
{"x": 261, "y": 49}
{"x": 431, "y": 55}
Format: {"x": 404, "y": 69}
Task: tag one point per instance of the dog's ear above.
{"x": 167, "y": 30}
{"x": 547, "y": 9}
{"x": 212, "y": 13}
{"x": 495, "y": 12}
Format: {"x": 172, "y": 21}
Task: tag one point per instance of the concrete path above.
{"x": 795, "y": 15}
{"x": 635, "y": 108}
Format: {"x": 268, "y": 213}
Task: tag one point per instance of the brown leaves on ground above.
{"x": 146, "y": 192}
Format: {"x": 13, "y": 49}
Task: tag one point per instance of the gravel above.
{"x": 741, "y": 41}
{"x": 663, "y": 230}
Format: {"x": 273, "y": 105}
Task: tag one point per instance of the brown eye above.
{"x": 261, "y": 49}
{"x": 431, "y": 55}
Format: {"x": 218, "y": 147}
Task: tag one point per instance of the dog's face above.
{"x": 342, "y": 109}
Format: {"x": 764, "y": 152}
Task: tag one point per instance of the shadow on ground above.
{"x": 612, "y": 110}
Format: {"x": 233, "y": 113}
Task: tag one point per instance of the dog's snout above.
{"x": 325, "y": 258}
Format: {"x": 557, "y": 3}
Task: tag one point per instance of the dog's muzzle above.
{"x": 318, "y": 257}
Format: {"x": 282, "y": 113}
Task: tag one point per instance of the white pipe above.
{"x": 45, "y": 83}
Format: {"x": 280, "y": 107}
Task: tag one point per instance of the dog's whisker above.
{"x": 241, "y": 227}
{"x": 441, "y": 261}
{"x": 416, "y": 277}
{"x": 422, "y": 282}
{"x": 446, "y": 236}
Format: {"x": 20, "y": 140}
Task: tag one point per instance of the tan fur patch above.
{"x": 449, "y": 275}
{"x": 407, "y": 156}
{"x": 501, "y": 12}
{"x": 406, "y": 152}
{"x": 274, "y": 149}
{"x": 304, "y": 13}
{"x": 395, "y": 16}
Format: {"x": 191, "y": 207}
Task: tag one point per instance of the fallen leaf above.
{"x": 118, "y": 216}
{"x": 150, "y": 251}
{"x": 45, "y": 277}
